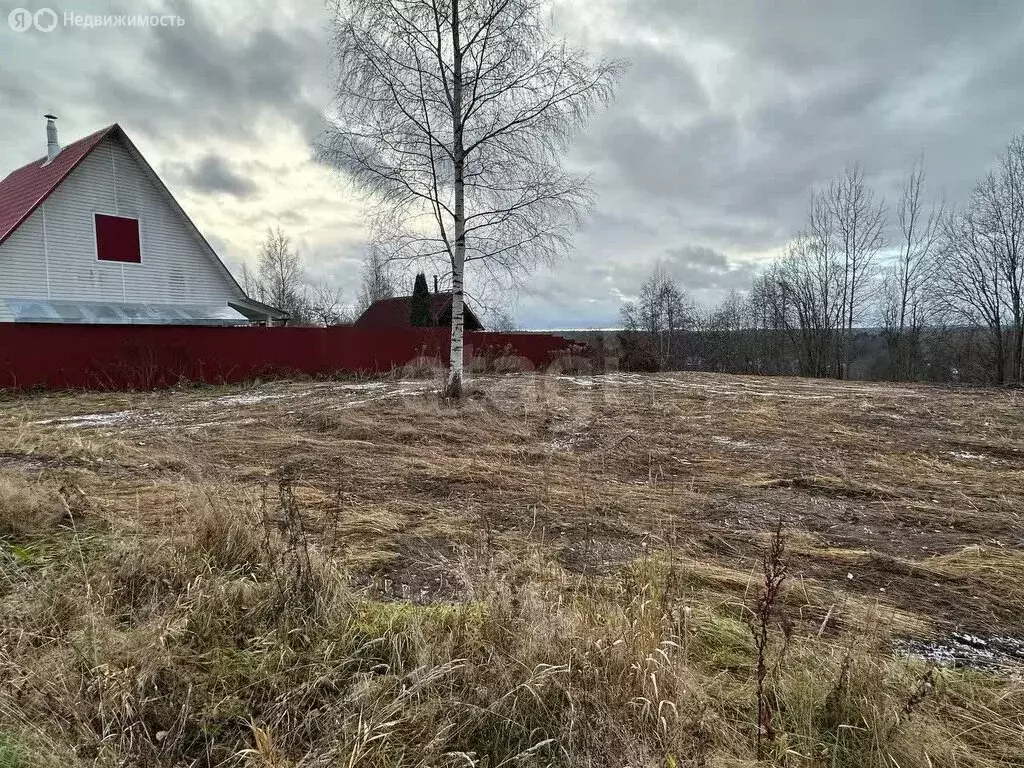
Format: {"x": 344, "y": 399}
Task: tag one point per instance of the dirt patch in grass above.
{"x": 598, "y": 471}
{"x": 360, "y": 572}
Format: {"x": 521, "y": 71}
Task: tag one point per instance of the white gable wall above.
{"x": 23, "y": 260}
{"x": 53, "y": 253}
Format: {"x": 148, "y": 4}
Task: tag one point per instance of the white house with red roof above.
{"x": 89, "y": 234}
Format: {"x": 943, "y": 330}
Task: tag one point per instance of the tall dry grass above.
{"x": 244, "y": 644}
{"x": 28, "y": 506}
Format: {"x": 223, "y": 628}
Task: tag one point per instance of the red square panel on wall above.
{"x": 117, "y": 239}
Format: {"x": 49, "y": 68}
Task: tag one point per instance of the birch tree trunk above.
{"x": 453, "y": 388}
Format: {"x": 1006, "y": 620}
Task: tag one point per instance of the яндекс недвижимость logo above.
{"x": 22, "y": 20}
{"x": 46, "y": 20}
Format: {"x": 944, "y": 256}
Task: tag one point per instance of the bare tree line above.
{"x": 660, "y": 311}
{"x": 942, "y": 300}
{"x": 280, "y": 280}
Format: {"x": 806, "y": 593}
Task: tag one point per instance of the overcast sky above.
{"x": 731, "y": 113}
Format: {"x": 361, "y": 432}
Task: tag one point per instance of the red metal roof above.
{"x": 25, "y": 189}
{"x": 397, "y": 312}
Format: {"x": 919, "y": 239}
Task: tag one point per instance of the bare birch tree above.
{"x": 249, "y": 282}
{"x": 998, "y": 207}
{"x": 811, "y": 288}
{"x": 281, "y": 278}
{"x": 376, "y": 280}
{"x": 730, "y": 325}
{"x": 500, "y": 320}
{"x": 970, "y": 282}
{"x": 768, "y": 311}
{"x": 858, "y": 221}
{"x": 325, "y": 304}
{"x": 659, "y": 314}
{"x": 906, "y": 300}
{"x": 453, "y": 116}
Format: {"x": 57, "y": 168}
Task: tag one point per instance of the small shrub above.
{"x": 637, "y": 354}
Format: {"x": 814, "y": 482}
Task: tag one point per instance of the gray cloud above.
{"x": 701, "y": 269}
{"x": 731, "y": 114}
{"x": 589, "y": 292}
{"x": 213, "y": 175}
{"x": 219, "y": 84}
{"x": 799, "y": 36}
{"x": 659, "y": 76}
{"x": 734, "y": 112}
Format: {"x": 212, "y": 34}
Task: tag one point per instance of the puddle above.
{"x": 968, "y": 651}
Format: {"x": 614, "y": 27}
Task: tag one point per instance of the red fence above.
{"x": 143, "y": 357}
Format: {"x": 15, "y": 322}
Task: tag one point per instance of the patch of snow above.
{"x": 205, "y": 424}
{"x": 965, "y": 650}
{"x": 966, "y": 455}
{"x": 733, "y": 443}
{"x": 91, "y": 420}
{"x": 563, "y": 443}
{"x": 248, "y": 399}
{"x": 678, "y": 384}
{"x": 409, "y": 391}
{"x": 357, "y": 403}
{"x": 789, "y": 395}
{"x": 414, "y": 392}
{"x": 364, "y": 385}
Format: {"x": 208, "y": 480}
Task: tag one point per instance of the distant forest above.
{"x": 916, "y": 293}
{"x": 944, "y": 355}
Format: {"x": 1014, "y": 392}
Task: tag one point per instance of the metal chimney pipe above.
{"x": 52, "y": 147}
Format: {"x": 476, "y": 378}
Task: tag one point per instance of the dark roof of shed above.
{"x": 396, "y": 312}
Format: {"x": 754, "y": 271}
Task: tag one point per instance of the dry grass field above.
{"x": 569, "y": 571}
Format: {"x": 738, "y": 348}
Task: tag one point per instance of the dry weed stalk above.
{"x": 774, "y": 567}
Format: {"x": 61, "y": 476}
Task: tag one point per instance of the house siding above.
{"x": 175, "y": 266}
{"x": 23, "y": 260}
